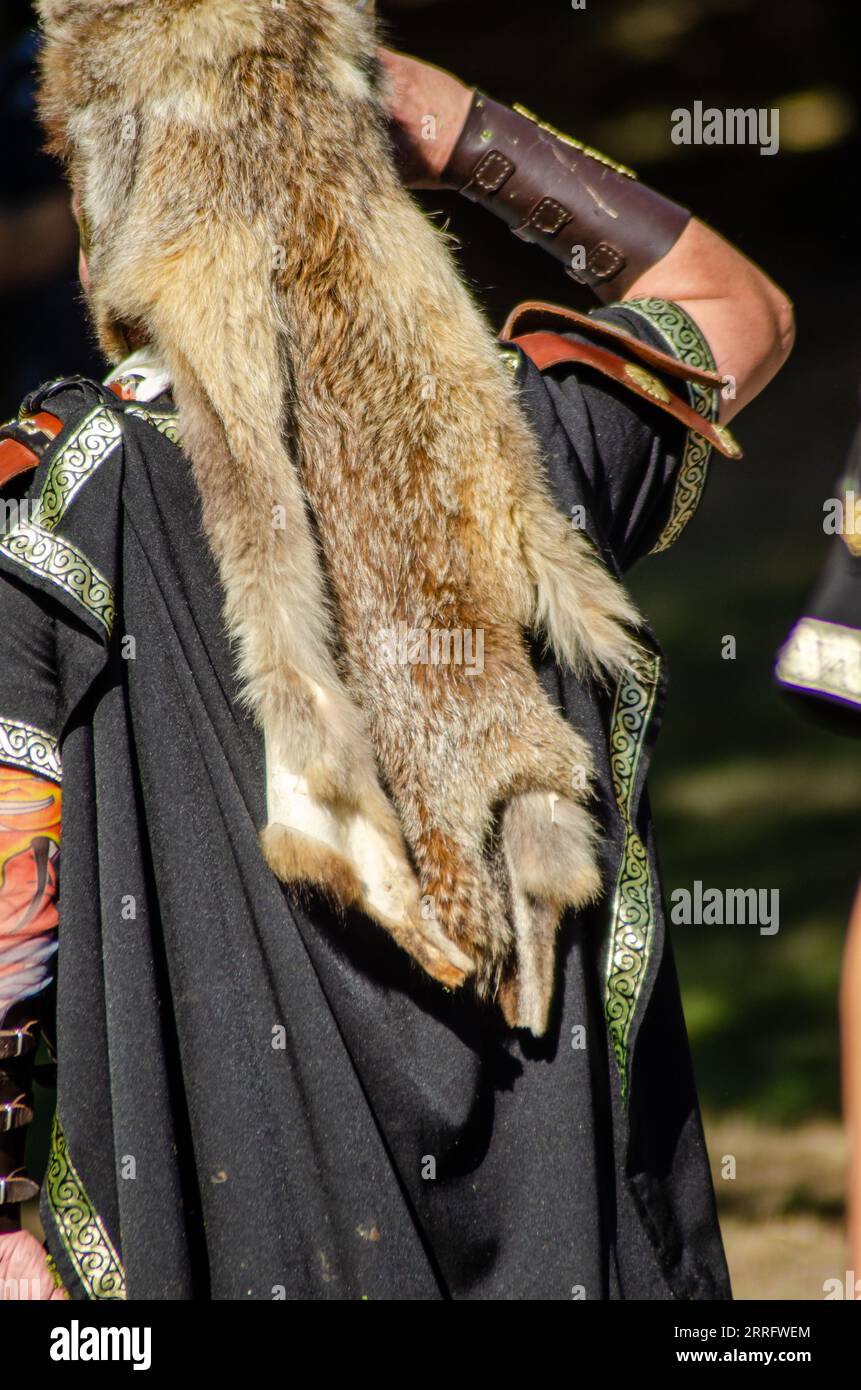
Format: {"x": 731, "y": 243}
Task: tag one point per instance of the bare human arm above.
{"x": 745, "y": 318}
{"x": 30, "y": 814}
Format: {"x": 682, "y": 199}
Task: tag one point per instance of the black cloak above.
{"x": 259, "y": 1099}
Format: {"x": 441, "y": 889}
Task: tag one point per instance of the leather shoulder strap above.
{"x": 548, "y": 350}
{"x": 534, "y": 316}
{"x": 24, "y": 441}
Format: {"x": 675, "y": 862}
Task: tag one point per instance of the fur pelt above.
{"x": 364, "y": 466}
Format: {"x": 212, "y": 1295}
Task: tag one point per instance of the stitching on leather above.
{"x": 555, "y": 214}
{"x": 604, "y": 260}
{"x": 493, "y": 171}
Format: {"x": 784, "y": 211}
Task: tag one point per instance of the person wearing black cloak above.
{"x": 819, "y": 669}
{"x": 258, "y": 1099}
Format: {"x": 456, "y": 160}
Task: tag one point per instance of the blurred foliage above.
{"x": 748, "y": 793}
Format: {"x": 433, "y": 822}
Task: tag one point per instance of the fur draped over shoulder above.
{"x": 371, "y": 491}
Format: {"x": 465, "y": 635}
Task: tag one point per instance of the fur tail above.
{"x": 586, "y": 614}
{"x": 549, "y": 846}
{"x": 331, "y": 824}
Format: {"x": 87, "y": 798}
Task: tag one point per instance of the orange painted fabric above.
{"x": 30, "y": 815}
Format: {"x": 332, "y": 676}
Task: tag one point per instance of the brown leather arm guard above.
{"x": 591, "y": 214}
{"x": 19, "y": 1034}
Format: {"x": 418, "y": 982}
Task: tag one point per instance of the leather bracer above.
{"x": 591, "y": 214}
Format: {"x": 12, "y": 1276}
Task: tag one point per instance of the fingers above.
{"x": 24, "y": 1266}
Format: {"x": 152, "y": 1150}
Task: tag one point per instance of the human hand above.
{"x": 428, "y": 108}
{"x": 24, "y": 1266}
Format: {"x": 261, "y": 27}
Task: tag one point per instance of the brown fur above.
{"x": 232, "y": 163}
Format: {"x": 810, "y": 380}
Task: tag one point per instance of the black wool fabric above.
{"x": 257, "y": 1097}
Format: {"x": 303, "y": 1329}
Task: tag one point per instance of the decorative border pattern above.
{"x": 51, "y": 1266}
{"x": 165, "y": 421}
{"x": 686, "y": 342}
{"x": 576, "y": 144}
{"x": 824, "y": 658}
{"x": 23, "y": 745}
{"x": 93, "y": 441}
{"x": 79, "y": 1226}
{"x": 50, "y": 557}
{"x": 632, "y": 914}
{"x": 61, "y": 563}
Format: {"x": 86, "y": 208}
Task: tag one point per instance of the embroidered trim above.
{"x": 632, "y": 913}
{"x": 686, "y": 342}
{"x": 51, "y": 1266}
{"x": 166, "y": 422}
{"x": 93, "y": 441}
{"x": 61, "y": 563}
{"x": 79, "y": 1225}
{"x": 824, "y": 658}
{"x": 50, "y": 557}
{"x": 23, "y": 745}
{"x": 576, "y": 144}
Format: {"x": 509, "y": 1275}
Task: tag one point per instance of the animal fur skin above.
{"x": 245, "y": 217}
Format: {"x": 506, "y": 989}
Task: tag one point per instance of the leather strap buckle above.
{"x": 16, "y": 1042}
{"x": 17, "y": 1188}
{"x": 602, "y": 263}
{"x": 492, "y": 171}
{"x": 547, "y": 218}
{"x": 15, "y": 1114}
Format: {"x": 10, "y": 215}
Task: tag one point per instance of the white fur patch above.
{"x": 388, "y": 892}
{"x": 186, "y": 106}
{"x": 348, "y": 79}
